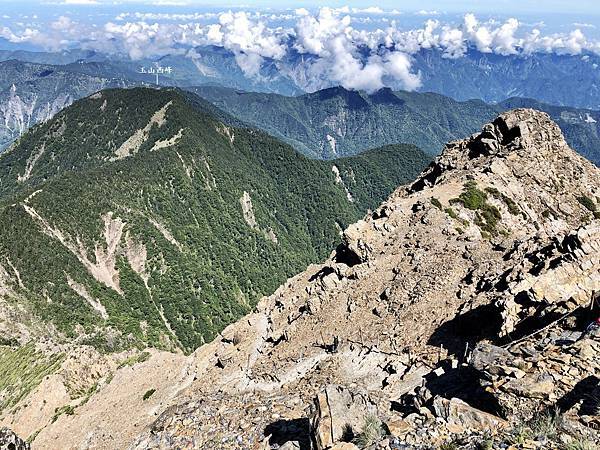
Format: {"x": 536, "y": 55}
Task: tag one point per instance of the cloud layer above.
{"x": 333, "y": 47}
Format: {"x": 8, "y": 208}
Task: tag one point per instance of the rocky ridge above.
{"x": 451, "y": 315}
{"x": 492, "y": 242}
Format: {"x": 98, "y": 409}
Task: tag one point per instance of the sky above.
{"x": 541, "y": 8}
{"x": 355, "y": 44}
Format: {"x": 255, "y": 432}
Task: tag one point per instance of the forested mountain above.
{"x": 325, "y": 124}
{"x": 137, "y": 217}
{"x": 336, "y": 122}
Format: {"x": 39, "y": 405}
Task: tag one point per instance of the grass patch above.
{"x": 67, "y": 409}
{"x": 135, "y": 359}
{"x": 546, "y": 425}
{"x": 587, "y": 202}
{"x": 513, "y": 208}
{"x": 486, "y": 216}
{"x": 581, "y": 444}
{"x": 590, "y": 205}
{"x": 451, "y": 213}
{"x": 371, "y": 432}
{"x": 22, "y": 370}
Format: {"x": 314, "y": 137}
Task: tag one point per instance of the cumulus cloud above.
{"x": 330, "y": 37}
{"x": 316, "y": 48}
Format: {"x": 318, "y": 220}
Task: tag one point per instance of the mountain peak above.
{"x": 500, "y": 232}
{"x": 522, "y": 142}
{"x": 522, "y": 131}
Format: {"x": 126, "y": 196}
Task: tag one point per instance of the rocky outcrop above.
{"x": 441, "y": 315}
{"x": 339, "y": 414}
{"x": 490, "y": 244}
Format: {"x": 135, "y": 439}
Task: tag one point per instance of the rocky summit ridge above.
{"x": 451, "y": 315}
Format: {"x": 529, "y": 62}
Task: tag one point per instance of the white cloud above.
{"x": 80, "y": 2}
{"x": 334, "y": 48}
{"x": 170, "y": 3}
{"x": 369, "y": 10}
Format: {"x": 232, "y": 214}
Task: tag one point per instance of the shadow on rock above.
{"x": 586, "y": 391}
{"x": 469, "y": 328}
{"x": 296, "y": 432}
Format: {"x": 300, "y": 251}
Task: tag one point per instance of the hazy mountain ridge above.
{"x": 33, "y": 93}
{"x": 326, "y": 124}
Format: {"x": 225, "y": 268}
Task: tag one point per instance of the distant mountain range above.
{"x": 330, "y": 123}
{"x": 336, "y": 122}
{"x": 176, "y": 223}
{"x": 565, "y": 80}
{"x": 32, "y": 93}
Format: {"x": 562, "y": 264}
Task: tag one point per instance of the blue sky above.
{"x": 486, "y": 6}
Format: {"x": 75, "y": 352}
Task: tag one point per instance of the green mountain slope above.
{"x": 135, "y": 217}
{"x": 336, "y": 122}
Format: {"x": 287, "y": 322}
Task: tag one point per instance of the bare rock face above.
{"x": 339, "y": 413}
{"x": 495, "y": 247}
{"x": 459, "y": 414}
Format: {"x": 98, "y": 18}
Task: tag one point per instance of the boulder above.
{"x": 460, "y": 415}
{"x": 338, "y": 412}
{"x": 540, "y": 386}
{"x": 344, "y": 446}
{"x": 399, "y": 427}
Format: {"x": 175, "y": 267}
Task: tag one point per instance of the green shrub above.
{"x": 435, "y": 202}
{"x": 581, "y": 444}
{"x": 149, "y": 394}
{"x": 451, "y": 213}
{"x": 587, "y": 203}
{"x": 546, "y": 425}
{"x": 513, "y": 208}
{"x": 487, "y": 216}
{"x": 472, "y": 197}
{"x": 67, "y": 409}
{"x": 135, "y": 359}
